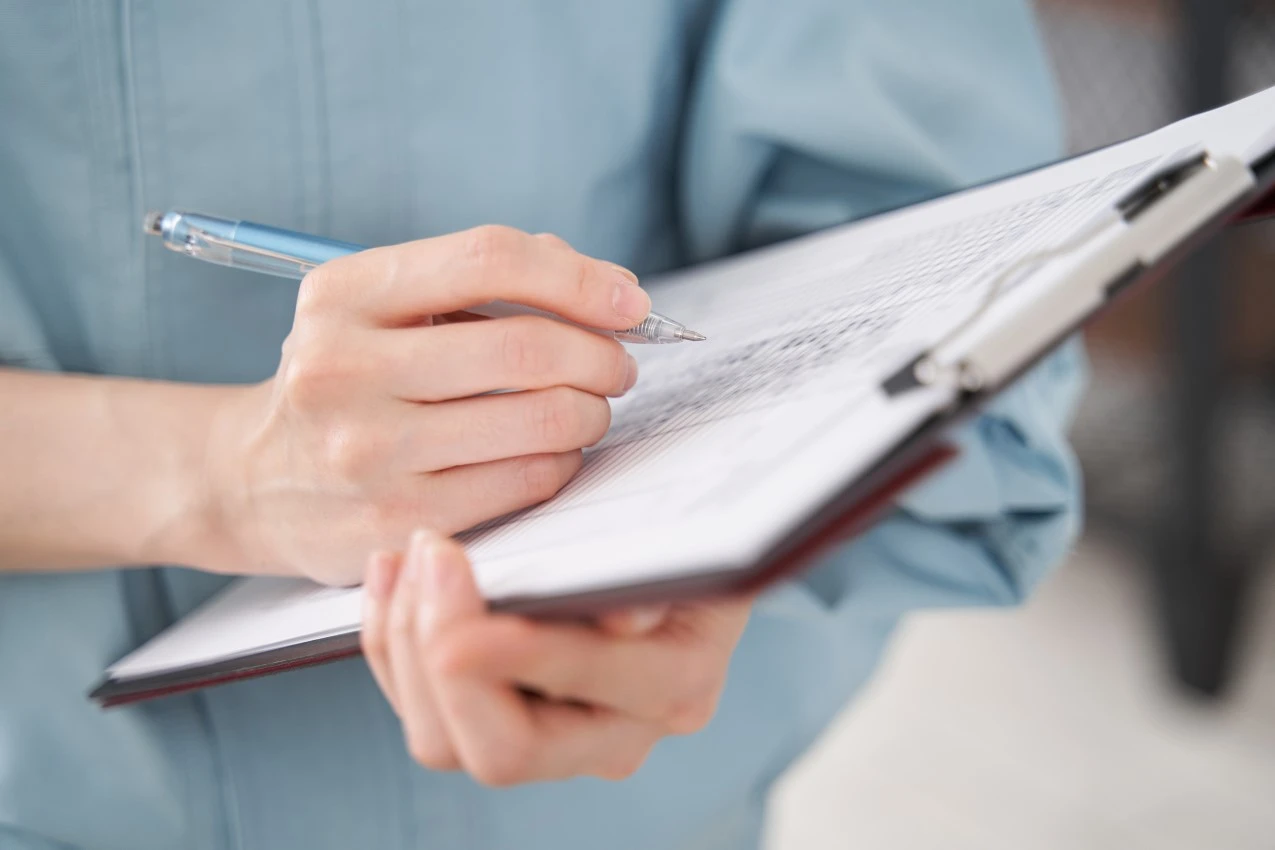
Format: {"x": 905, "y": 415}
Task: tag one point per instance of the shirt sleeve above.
{"x": 810, "y": 113}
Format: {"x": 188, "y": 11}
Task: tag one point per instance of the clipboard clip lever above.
{"x": 967, "y": 374}
{"x": 1173, "y": 172}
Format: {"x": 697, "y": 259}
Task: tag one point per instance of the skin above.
{"x": 377, "y": 423}
{"x": 369, "y": 429}
{"x": 509, "y": 700}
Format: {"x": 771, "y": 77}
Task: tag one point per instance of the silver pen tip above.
{"x": 690, "y": 336}
{"x": 153, "y": 223}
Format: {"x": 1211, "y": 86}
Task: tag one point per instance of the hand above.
{"x": 374, "y": 423}
{"x": 510, "y": 700}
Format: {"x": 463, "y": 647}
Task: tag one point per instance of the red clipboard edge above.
{"x": 842, "y": 526}
{"x": 824, "y": 534}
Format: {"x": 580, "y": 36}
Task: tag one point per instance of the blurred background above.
{"x": 1132, "y": 702}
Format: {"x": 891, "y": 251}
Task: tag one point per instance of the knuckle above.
{"x": 317, "y": 369}
{"x": 696, "y": 702}
{"x": 541, "y": 477}
{"x": 352, "y": 454}
{"x": 621, "y": 762}
{"x": 430, "y": 753}
{"x": 490, "y": 245}
{"x": 329, "y": 286}
{"x": 306, "y": 376}
{"x": 598, "y": 417}
{"x": 313, "y": 294}
{"x": 582, "y": 280}
{"x": 505, "y": 765}
{"x": 619, "y": 369}
{"x": 557, "y": 417}
{"x": 420, "y": 751}
{"x": 372, "y": 640}
{"x": 523, "y": 349}
{"x": 554, "y": 240}
{"x": 449, "y": 658}
{"x": 690, "y": 715}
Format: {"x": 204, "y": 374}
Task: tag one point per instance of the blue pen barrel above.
{"x": 249, "y": 246}
{"x": 285, "y": 253}
{"x": 313, "y": 249}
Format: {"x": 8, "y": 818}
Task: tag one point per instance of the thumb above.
{"x": 448, "y": 591}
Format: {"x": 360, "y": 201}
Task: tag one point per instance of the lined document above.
{"x": 799, "y": 341}
{"x": 726, "y": 446}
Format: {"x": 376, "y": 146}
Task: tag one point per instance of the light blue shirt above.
{"x": 650, "y": 132}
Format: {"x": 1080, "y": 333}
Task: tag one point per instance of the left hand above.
{"x": 513, "y": 700}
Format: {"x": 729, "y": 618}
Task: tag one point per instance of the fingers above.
{"x": 460, "y": 498}
{"x": 468, "y": 358}
{"x": 495, "y": 427}
{"x": 458, "y": 675}
{"x": 401, "y": 284}
{"x": 670, "y": 681}
{"x": 554, "y": 239}
{"x": 378, "y": 589}
{"x": 499, "y": 736}
{"x": 480, "y": 716}
{"x": 411, "y": 626}
{"x": 390, "y": 595}
{"x": 567, "y": 741}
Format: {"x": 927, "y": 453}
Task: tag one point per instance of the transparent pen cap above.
{"x": 244, "y": 245}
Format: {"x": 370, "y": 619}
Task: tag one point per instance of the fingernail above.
{"x": 414, "y": 567}
{"x": 435, "y": 571}
{"x": 633, "y": 374}
{"x": 439, "y": 578}
{"x": 645, "y": 619}
{"x": 421, "y": 555}
{"x": 625, "y": 273}
{"x": 378, "y": 581}
{"x": 630, "y": 302}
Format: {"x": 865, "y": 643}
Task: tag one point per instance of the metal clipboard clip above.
{"x": 1008, "y": 328}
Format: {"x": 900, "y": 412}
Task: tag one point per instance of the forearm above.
{"x": 101, "y": 471}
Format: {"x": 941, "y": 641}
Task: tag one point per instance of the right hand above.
{"x": 374, "y": 423}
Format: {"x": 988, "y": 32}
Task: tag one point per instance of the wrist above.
{"x": 180, "y": 492}
{"x": 107, "y": 472}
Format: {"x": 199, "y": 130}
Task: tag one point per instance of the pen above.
{"x": 271, "y": 250}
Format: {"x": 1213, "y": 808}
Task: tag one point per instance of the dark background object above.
{"x": 1198, "y": 581}
{"x": 1178, "y": 434}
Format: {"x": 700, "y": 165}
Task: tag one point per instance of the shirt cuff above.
{"x": 1014, "y": 458}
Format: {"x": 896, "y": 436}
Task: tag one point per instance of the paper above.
{"x": 799, "y": 339}
{"x": 726, "y": 445}
{"x": 251, "y": 616}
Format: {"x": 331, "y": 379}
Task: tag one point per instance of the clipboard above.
{"x": 1186, "y": 200}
